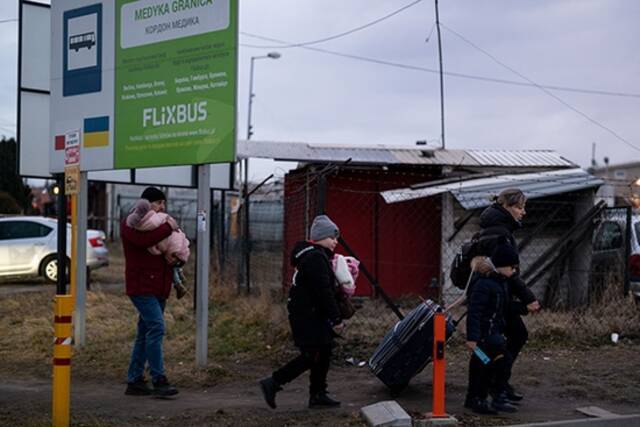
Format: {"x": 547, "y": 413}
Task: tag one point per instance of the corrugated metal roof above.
{"x": 389, "y": 154}
{"x": 475, "y": 193}
{"x": 518, "y": 158}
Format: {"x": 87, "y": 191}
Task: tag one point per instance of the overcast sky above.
{"x": 312, "y": 96}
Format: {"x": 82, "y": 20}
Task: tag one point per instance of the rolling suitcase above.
{"x": 408, "y": 347}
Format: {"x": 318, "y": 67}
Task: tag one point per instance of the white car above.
{"x": 609, "y": 249}
{"x": 28, "y": 246}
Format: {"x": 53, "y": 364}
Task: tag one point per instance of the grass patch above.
{"x": 591, "y": 325}
{"x": 241, "y": 328}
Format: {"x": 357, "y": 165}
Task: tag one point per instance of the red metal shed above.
{"x": 398, "y": 243}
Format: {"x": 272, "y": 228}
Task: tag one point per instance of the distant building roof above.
{"x": 599, "y": 170}
{"x": 393, "y": 154}
{"x": 474, "y": 193}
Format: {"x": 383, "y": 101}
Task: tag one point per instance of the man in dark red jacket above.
{"x": 148, "y": 280}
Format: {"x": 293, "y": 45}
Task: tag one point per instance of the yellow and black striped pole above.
{"x": 62, "y": 361}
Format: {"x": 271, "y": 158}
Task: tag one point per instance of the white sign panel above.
{"x": 81, "y": 44}
{"x": 35, "y": 30}
{"x": 82, "y": 81}
{"x": 33, "y": 136}
{"x": 183, "y": 22}
{"x": 72, "y": 148}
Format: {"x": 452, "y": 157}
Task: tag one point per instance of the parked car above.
{"x": 609, "y": 249}
{"x": 28, "y": 247}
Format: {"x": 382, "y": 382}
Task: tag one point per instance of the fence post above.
{"x": 322, "y": 195}
{"x": 247, "y": 240}
{"x": 221, "y": 247}
{"x": 627, "y": 250}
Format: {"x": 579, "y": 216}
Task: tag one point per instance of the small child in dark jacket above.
{"x": 485, "y": 333}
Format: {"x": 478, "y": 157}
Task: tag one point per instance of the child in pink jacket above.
{"x": 175, "y": 248}
{"x": 346, "y": 269}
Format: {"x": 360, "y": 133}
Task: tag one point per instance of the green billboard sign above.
{"x": 175, "y": 82}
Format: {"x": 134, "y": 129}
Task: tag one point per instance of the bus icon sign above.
{"x": 79, "y": 41}
{"x": 82, "y": 50}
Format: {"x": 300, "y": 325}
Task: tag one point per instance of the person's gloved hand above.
{"x": 533, "y": 307}
{"x": 339, "y": 327}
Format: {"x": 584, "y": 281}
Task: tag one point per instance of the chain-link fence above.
{"x": 572, "y": 248}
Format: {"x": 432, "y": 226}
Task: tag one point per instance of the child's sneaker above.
{"x": 181, "y": 290}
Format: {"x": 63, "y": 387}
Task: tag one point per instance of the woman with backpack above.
{"x": 502, "y": 219}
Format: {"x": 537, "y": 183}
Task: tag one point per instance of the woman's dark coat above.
{"x": 497, "y": 222}
{"x": 313, "y": 309}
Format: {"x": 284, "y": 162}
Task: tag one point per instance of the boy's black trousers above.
{"x": 316, "y": 359}
{"x": 494, "y": 375}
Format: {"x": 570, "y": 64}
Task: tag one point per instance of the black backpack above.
{"x": 461, "y": 265}
{"x": 479, "y": 245}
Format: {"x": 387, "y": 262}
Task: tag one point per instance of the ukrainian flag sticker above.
{"x": 96, "y": 132}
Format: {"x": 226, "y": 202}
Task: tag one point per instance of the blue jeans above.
{"x": 148, "y": 344}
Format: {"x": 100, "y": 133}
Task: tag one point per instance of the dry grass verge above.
{"x": 242, "y": 330}
{"x": 592, "y": 325}
{"x": 249, "y": 331}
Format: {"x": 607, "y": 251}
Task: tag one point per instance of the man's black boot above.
{"x": 138, "y": 387}
{"x": 512, "y": 394}
{"x": 269, "y": 388}
{"x": 481, "y": 406}
{"x": 322, "y": 400}
{"x": 162, "y": 388}
{"x": 500, "y": 403}
{"x": 468, "y": 401}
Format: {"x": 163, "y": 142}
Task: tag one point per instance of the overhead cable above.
{"x": 448, "y": 73}
{"x": 544, "y": 89}
{"x": 345, "y": 33}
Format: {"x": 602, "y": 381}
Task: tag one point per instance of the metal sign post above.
{"x": 80, "y": 263}
{"x": 202, "y": 267}
{"x": 61, "y": 386}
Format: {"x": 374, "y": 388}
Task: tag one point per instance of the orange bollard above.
{"x": 439, "y": 365}
{"x": 439, "y": 416}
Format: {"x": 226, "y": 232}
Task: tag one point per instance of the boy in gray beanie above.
{"x": 314, "y": 316}
{"x": 322, "y": 227}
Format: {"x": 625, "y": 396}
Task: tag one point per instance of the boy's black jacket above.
{"x": 312, "y": 305}
{"x": 487, "y": 307}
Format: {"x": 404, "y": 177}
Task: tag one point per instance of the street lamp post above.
{"x": 247, "y": 248}
{"x": 270, "y": 55}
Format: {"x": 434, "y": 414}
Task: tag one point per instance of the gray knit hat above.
{"x": 322, "y": 228}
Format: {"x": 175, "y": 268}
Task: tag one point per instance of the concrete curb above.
{"x": 632, "y": 420}
{"x": 386, "y": 414}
